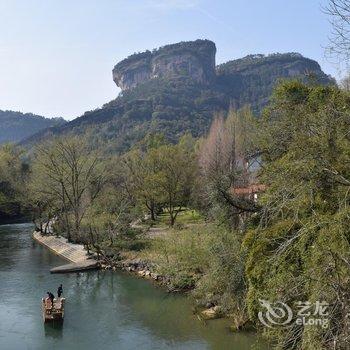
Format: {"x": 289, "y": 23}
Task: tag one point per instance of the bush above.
{"x": 208, "y": 260}
{"x": 181, "y": 256}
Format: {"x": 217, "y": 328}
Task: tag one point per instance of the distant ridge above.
{"x": 16, "y": 126}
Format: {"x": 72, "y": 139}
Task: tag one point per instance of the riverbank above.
{"x": 139, "y": 267}
{"x": 77, "y": 256}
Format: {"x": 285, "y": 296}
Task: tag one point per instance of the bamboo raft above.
{"x": 55, "y": 312}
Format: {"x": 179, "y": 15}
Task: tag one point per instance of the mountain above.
{"x": 16, "y": 126}
{"x": 250, "y": 80}
{"x": 195, "y": 59}
{"x": 177, "y": 88}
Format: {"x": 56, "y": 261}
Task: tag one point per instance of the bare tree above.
{"x": 65, "y": 171}
{"x": 345, "y": 83}
{"x": 224, "y": 157}
{"x": 339, "y": 12}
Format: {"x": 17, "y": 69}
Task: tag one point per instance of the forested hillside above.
{"x": 16, "y": 126}
{"x": 250, "y": 80}
{"x": 14, "y": 172}
{"x": 177, "y": 90}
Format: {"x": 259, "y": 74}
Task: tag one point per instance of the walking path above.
{"x": 74, "y": 253}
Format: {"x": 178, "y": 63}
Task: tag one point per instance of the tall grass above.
{"x": 209, "y": 261}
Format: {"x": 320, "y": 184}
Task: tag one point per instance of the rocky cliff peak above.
{"x": 195, "y": 59}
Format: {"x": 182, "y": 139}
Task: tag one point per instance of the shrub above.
{"x": 209, "y": 260}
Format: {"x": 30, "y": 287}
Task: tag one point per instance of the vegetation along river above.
{"x": 104, "y": 309}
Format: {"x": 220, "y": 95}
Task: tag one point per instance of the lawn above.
{"x": 185, "y": 217}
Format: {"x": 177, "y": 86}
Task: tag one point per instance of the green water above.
{"x": 104, "y": 310}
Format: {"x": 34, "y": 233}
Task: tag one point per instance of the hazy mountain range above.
{"x": 17, "y": 126}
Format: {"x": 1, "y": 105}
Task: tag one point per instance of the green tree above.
{"x": 141, "y": 171}
{"x": 300, "y": 250}
{"x": 14, "y": 173}
{"x": 163, "y": 175}
{"x": 176, "y": 171}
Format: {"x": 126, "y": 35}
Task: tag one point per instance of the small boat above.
{"x": 55, "y": 312}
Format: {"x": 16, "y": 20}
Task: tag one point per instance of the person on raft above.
{"x": 59, "y": 291}
{"x": 50, "y": 297}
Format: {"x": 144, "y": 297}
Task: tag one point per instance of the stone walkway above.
{"x": 74, "y": 253}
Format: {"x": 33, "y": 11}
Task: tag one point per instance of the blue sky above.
{"x": 56, "y": 56}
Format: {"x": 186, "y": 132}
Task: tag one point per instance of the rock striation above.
{"x": 194, "y": 59}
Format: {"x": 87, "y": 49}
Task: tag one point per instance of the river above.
{"x": 104, "y": 310}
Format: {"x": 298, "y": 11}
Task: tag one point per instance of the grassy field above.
{"x": 185, "y": 217}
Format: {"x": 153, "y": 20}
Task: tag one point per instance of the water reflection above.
{"x": 53, "y": 330}
{"x": 136, "y": 304}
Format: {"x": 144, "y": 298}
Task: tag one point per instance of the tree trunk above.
{"x": 69, "y": 237}
{"x": 172, "y": 219}
{"x": 153, "y": 215}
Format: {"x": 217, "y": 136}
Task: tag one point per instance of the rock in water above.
{"x": 212, "y": 313}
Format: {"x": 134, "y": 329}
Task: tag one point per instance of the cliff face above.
{"x": 194, "y": 59}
